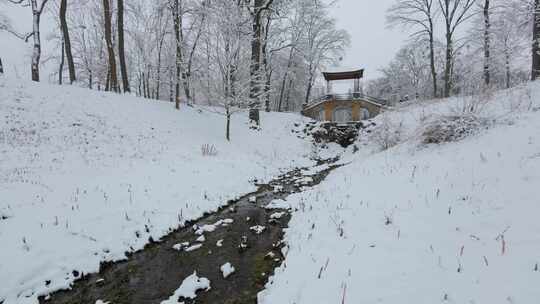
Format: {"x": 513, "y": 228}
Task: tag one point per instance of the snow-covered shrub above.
{"x": 387, "y": 133}
{"x": 450, "y": 128}
{"x": 209, "y": 150}
{"x": 473, "y": 105}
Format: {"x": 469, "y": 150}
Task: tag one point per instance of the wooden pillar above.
{"x": 328, "y": 87}
{"x": 356, "y": 85}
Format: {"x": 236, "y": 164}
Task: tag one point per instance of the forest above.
{"x": 267, "y": 54}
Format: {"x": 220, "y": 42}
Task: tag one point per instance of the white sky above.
{"x": 372, "y": 44}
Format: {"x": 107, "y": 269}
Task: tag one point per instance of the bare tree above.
{"x": 509, "y": 41}
{"x": 259, "y": 6}
{"x": 178, "y": 35}
{"x": 37, "y": 10}
{"x": 121, "y": 48}
{"x": 487, "y": 42}
{"x": 323, "y": 42}
{"x": 420, "y": 15}
{"x": 5, "y": 25}
{"x": 66, "y": 41}
{"x": 197, "y": 29}
{"x": 455, "y": 13}
{"x": 112, "y": 83}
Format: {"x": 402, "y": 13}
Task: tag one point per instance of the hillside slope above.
{"x": 86, "y": 176}
{"x": 456, "y": 222}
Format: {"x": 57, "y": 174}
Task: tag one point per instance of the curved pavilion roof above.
{"x": 331, "y": 76}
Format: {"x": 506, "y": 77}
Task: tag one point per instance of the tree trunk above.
{"x": 288, "y": 97}
{"x": 108, "y": 80}
{"x": 67, "y": 41}
{"x": 186, "y": 76}
{"x": 139, "y": 84}
{"x": 267, "y": 88}
{"x": 254, "y": 72}
{"x": 90, "y": 79}
{"x": 186, "y": 86}
{"x": 282, "y": 91}
{"x": 448, "y": 64}
{"x": 267, "y": 69}
{"x": 143, "y": 79}
{"x": 61, "y": 68}
{"x": 1, "y": 67}
{"x": 309, "y": 85}
{"x": 284, "y": 81}
{"x": 255, "y": 66}
{"x": 158, "y": 72}
{"x": 508, "y": 71}
{"x": 121, "y": 49}
{"x": 228, "y": 127}
{"x": 536, "y": 41}
{"x": 171, "y": 86}
{"x": 36, "y": 53}
{"x": 487, "y": 42}
{"x": 177, "y": 16}
{"x": 432, "y": 60}
{"x": 148, "y": 93}
{"x": 110, "y": 49}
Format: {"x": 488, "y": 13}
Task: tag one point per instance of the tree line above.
{"x": 461, "y": 47}
{"x": 256, "y": 54}
{"x": 266, "y": 54}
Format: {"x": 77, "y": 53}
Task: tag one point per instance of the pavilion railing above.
{"x": 349, "y": 96}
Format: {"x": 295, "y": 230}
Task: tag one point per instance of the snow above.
{"x": 277, "y": 215}
{"x": 219, "y": 243}
{"x": 193, "y": 247}
{"x": 227, "y": 269}
{"x": 201, "y": 239}
{"x": 86, "y": 176}
{"x": 227, "y": 222}
{"x": 450, "y": 223}
{"x": 188, "y": 289}
{"x": 278, "y": 204}
{"x": 180, "y": 246}
{"x": 258, "y": 229}
{"x": 206, "y": 228}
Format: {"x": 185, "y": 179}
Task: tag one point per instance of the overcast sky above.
{"x": 372, "y": 44}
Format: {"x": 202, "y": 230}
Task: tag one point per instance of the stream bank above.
{"x": 245, "y": 233}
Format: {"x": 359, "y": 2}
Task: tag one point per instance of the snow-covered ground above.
{"x": 451, "y": 223}
{"x": 86, "y": 176}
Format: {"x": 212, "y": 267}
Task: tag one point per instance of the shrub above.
{"x": 452, "y": 128}
{"x": 208, "y": 150}
{"x": 387, "y": 133}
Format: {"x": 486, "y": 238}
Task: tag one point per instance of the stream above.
{"x": 241, "y": 233}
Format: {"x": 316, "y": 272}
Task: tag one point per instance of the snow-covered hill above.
{"x": 451, "y": 223}
{"x": 86, "y": 176}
